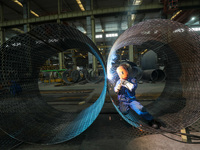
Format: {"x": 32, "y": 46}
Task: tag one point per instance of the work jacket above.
{"x": 126, "y": 95}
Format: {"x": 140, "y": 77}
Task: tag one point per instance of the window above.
{"x": 99, "y": 36}
{"x": 195, "y": 29}
{"x": 112, "y": 35}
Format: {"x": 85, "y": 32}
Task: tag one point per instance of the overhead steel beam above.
{"x": 26, "y": 13}
{"x": 2, "y": 31}
{"x": 96, "y": 12}
{"x": 101, "y": 22}
{"x": 75, "y": 15}
{"x": 40, "y": 7}
{"x": 14, "y": 10}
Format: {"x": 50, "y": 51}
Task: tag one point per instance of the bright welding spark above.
{"x": 111, "y": 59}
{"x": 110, "y": 76}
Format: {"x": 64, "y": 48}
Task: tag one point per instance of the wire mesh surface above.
{"x": 24, "y": 113}
{"x": 178, "y": 46}
{"x": 7, "y": 142}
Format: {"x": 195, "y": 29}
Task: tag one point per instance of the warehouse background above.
{"x": 64, "y": 77}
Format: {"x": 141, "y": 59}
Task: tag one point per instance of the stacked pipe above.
{"x": 157, "y": 75}
{"x": 85, "y": 74}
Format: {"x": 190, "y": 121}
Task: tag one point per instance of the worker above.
{"x": 125, "y": 88}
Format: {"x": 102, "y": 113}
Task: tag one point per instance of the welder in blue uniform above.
{"x": 125, "y": 88}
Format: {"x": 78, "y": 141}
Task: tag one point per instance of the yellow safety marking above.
{"x": 184, "y": 137}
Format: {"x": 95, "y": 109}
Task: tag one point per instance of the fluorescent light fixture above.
{"x": 20, "y": 4}
{"x": 80, "y": 5}
{"x": 17, "y": 2}
{"x": 137, "y": 2}
{"x": 34, "y": 13}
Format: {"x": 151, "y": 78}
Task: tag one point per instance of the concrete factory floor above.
{"x": 109, "y": 131}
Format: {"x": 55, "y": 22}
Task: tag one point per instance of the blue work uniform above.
{"x": 127, "y": 98}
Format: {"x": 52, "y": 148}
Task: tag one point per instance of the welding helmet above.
{"x": 122, "y": 72}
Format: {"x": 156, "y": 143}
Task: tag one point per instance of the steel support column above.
{"x": 131, "y": 53}
{"x": 90, "y": 22}
{"x": 26, "y": 14}
{"x": 60, "y": 58}
{"x": 2, "y": 32}
{"x": 60, "y": 55}
{"x": 2, "y": 35}
{"x": 89, "y": 34}
{"x": 94, "y": 64}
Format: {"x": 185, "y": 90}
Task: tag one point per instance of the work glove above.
{"x": 118, "y": 87}
{"x": 127, "y": 84}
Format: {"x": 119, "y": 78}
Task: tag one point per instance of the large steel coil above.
{"x": 25, "y": 115}
{"x": 178, "y": 105}
{"x": 65, "y": 76}
{"x": 75, "y": 75}
{"x": 92, "y": 77}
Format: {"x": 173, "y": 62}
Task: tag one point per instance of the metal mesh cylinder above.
{"x": 179, "y": 46}
{"x": 25, "y": 115}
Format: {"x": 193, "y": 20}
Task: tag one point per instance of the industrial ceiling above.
{"x": 109, "y": 22}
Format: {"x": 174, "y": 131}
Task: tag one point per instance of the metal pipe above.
{"x": 150, "y": 75}
{"x": 161, "y": 75}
